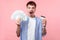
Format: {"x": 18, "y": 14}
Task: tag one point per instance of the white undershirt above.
{"x": 31, "y": 29}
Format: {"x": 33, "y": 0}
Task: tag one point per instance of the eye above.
{"x": 28, "y": 7}
{"x": 33, "y": 7}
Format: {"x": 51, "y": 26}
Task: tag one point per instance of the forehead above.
{"x": 30, "y": 5}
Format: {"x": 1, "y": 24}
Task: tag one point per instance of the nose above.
{"x": 31, "y": 10}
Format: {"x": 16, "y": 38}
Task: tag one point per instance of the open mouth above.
{"x": 31, "y": 12}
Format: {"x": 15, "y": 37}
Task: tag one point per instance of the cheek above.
{"x": 28, "y": 10}
{"x": 34, "y": 9}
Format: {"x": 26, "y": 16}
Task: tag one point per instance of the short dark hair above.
{"x": 31, "y": 3}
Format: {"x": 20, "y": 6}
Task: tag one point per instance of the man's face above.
{"x": 31, "y": 9}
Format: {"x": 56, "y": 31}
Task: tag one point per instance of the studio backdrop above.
{"x": 48, "y": 8}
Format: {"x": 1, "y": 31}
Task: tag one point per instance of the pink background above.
{"x": 48, "y": 8}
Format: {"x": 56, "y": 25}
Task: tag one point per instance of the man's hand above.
{"x": 18, "y": 27}
{"x": 44, "y": 22}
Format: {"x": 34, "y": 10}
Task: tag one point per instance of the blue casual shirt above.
{"x": 24, "y": 29}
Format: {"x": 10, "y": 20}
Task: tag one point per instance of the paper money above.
{"x": 19, "y": 14}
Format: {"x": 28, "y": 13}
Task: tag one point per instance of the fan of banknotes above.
{"x": 19, "y": 14}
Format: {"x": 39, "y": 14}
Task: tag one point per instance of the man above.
{"x": 32, "y": 28}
